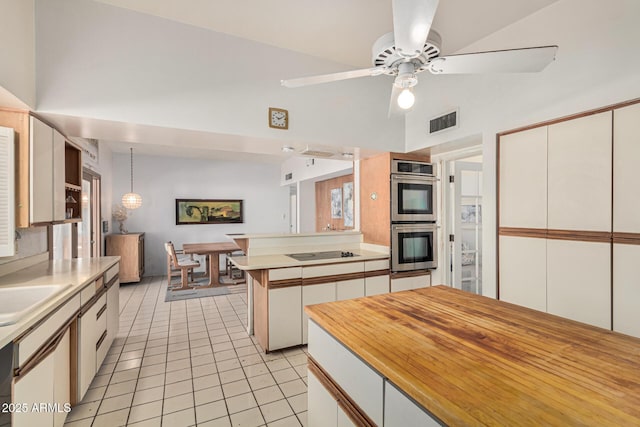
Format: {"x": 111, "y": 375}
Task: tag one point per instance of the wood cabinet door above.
{"x": 41, "y": 172}
{"x": 579, "y": 281}
{"x": 579, "y": 174}
{"x": 285, "y": 317}
{"x": 626, "y": 289}
{"x": 59, "y": 205}
{"x": 626, "y": 158}
{"x": 523, "y": 271}
{"x": 523, "y": 179}
{"x": 315, "y": 294}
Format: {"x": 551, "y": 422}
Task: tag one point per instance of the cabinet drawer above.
{"x": 357, "y": 379}
{"x": 111, "y": 273}
{"x": 285, "y": 273}
{"x": 333, "y": 269}
{"x": 31, "y": 342}
{"x": 87, "y": 293}
{"x": 380, "y": 264}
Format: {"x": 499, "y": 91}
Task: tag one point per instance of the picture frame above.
{"x": 209, "y": 211}
{"x": 336, "y": 203}
{"x": 347, "y": 204}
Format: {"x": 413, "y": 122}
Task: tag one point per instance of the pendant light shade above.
{"x": 132, "y": 200}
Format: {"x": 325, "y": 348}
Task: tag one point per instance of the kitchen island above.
{"x": 442, "y": 356}
{"x": 280, "y": 286}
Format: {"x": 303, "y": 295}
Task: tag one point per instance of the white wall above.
{"x": 161, "y": 180}
{"x": 303, "y": 168}
{"x": 17, "y": 50}
{"x": 597, "y": 64}
{"x": 104, "y": 62}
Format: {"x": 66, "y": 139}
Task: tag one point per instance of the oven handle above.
{"x": 423, "y": 226}
{"x": 408, "y": 176}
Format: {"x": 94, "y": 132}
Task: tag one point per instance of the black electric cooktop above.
{"x": 311, "y": 256}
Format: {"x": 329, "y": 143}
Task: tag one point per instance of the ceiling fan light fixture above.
{"x": 406, "y": 99}
{"x": 287, "y": 149}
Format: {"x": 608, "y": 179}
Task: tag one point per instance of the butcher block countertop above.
{"x": 471, "y": 360}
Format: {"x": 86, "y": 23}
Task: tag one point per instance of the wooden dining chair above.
{"x": 184, "y": 265}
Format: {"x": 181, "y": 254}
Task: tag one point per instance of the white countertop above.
{"x": 78, "y": 273}
{"x": 261, "y": 262}
{"x": 293, "y": 235}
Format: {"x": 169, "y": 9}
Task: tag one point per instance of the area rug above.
{"x": 195, "y": 293}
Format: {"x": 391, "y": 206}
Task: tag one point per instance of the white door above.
{"x": 467, "y": 253}
{"x": 293, "y": 211}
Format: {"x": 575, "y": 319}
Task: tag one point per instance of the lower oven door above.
{"x": 413, "y": 247}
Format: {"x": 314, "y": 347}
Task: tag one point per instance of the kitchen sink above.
{"x": 19, "y": 300}
{"x": 311, "y": 256}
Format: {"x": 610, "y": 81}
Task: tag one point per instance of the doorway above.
{"x": 89, "y": 232}
{"x": 463, "y": 213}
{"x": 293, "y": 209}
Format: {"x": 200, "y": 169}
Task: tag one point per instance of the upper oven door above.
{"x": 413, "y": 198}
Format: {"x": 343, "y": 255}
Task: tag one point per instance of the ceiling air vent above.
{"x": 288, "y": 176}
{"x": 316, "y": 153}
{"x": 444, "y": 122}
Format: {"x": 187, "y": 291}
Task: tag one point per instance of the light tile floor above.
{"x": 191, "y": 362}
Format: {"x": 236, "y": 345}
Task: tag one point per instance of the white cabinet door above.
{"x": 343, "y": 419}
{"x": 626, "y": 289}
{"x": 322, "y": 410}
{"x": 285, "y": 317}
{"x": 407, "y": 283}
{"x": 41, "y": 171}
{"x": 34, "y": 388}
{"x": 400, "y": 411}
{"x": 113, "y": 312}
{"x": 88, "y": 333}
{"x": 349, "y": 289}
{"x": 579, "y": 174}
{"x": 579, "y": 281}
{"x": 523, "y": 179}
{"x": 62, "y": 378}
{"x": 626, "y": 158}
{"x": 58, "y": 176}
{"x": 523, "y": 271}
{"x": 376, "y": 285}
{"x": 361, "y": 383}
{"x": 315, "y": 294}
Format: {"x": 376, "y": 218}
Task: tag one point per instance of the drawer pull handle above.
{"x": 102, "y": 310}
{"x": 101, "y": 340}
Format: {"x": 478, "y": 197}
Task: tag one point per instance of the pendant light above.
{"x": 131, "y": 200}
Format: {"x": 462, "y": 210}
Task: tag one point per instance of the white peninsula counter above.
{"x": 280, "y": 286}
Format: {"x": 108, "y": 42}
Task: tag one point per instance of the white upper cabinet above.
{"x": 7, "y": 195}
{"x": 626, "y": 158}
{"x": 579, "y": 174}
{"x": 523, "y": 179}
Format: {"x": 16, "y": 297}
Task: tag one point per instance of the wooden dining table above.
{"x": 212, "y": 251}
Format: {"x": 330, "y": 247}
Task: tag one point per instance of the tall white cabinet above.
{"x": 626, "y": 220}
{"x": 556, "y": 184}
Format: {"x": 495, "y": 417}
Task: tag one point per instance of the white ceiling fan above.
{"x": 413, "y": 47}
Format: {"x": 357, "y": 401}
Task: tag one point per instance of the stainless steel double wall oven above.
{"x": 413, "y": 216}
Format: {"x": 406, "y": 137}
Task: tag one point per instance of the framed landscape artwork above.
{"x": 208, "y": 211}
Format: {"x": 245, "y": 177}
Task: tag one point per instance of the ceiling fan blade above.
{"x": 411, "y": 23}
{"x": 526, "y": 60}
{"x": 326, "y": 78}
